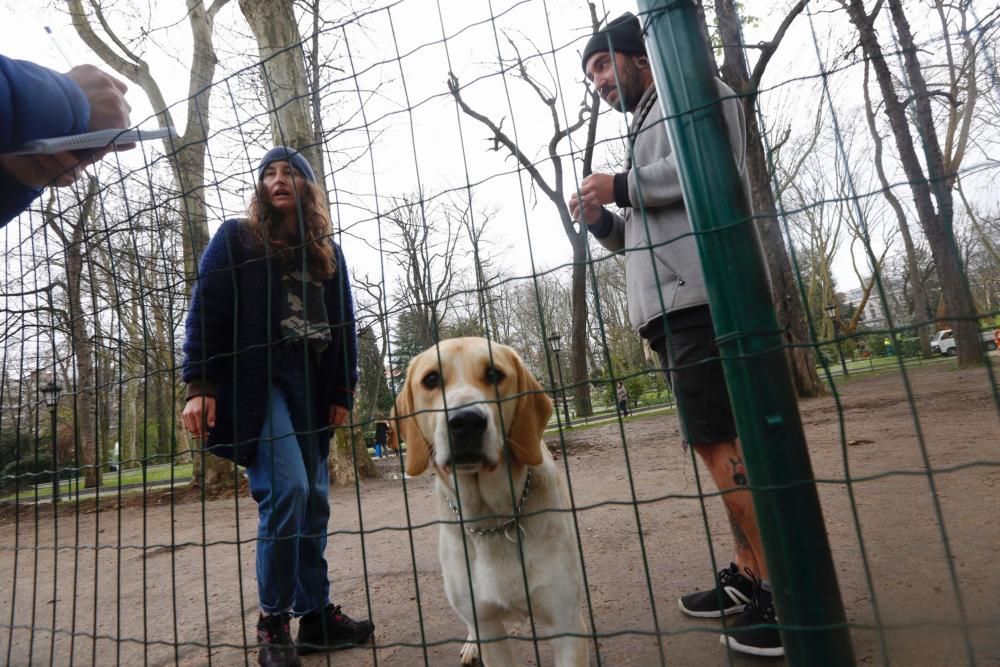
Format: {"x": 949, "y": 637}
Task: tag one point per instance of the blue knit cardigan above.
{"x": 230, "y": 331}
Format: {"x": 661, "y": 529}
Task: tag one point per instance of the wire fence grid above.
{"x": 448, "y": 138}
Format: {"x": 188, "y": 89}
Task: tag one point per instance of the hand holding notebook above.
{"x": 115, "y": 139}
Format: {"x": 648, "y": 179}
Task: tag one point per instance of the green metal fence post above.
{"x": 803, "y": 578}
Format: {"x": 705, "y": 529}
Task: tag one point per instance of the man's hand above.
{"x": 199, "y": 415}
{"x": 108, "y": 110}
{"x": 598, "y": 190}
{"x": 106, "y": 94}
{"x": 40, "y": 170}
{"x": 338, "y": 415}
{"x": 595, "y": 191}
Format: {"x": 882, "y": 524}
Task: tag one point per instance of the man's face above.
{"x": 601, "y": 70}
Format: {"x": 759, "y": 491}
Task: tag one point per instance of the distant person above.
{"x": 996, "y": 337}
{"x": 391, "y": 443}
{"x": 270, "y": 363}
{"x": 668, "y": 306}
{"x": 887, "y": 345}
{"x": 38, "y": 103}
{"x": 622, "y": 393}
{"x": 381, "y": 435}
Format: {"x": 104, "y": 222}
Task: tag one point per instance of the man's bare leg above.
{"x": 724, "y": 461}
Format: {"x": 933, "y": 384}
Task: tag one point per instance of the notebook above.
{"x": 91, "y": 140}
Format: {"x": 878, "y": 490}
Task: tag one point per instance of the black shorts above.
{"x": 690, "y": 360}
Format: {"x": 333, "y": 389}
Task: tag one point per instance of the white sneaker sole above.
{"x": 775, "y": 652}
{"x": 709, "y": 614}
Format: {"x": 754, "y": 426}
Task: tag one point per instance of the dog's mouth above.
{"x": 469, "y": 464}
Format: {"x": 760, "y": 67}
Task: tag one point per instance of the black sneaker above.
{"x": 330, "y": 629}
{"x": 275, "y": 639}
{"x": 733, "y": 592}
{"x": 747, "y": 633}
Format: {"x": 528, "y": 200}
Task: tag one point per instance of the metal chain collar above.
{"x": 504, "y": 526}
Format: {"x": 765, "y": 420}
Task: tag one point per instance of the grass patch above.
{"x": 126, "y": 478}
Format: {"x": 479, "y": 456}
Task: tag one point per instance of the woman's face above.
{"x": 284, "y": 185}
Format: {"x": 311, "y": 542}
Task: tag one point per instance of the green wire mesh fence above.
{"x": 448, "y": 138}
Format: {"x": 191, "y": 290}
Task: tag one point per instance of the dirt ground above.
{"x": 174, "y": 582}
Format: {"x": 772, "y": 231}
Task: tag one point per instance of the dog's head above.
{"x": 463, "y": 400}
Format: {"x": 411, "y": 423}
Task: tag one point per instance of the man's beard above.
{"x": 630, "y": 89}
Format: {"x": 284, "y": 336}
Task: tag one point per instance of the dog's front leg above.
{"x": 571, "y": 651}
{"x": 493, "y": 651}
{"x": 570, "y": 646}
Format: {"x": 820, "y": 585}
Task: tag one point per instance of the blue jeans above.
{"x": 290, "y": 482}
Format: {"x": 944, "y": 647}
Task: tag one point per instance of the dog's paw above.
{"x": 470, "y": 654}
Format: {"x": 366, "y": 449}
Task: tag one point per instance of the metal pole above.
{"x": 803, "y": 579}
{"x": 562, "y": 389}
{"x": 55, "y": 458}
{"x": 840, "y": 350}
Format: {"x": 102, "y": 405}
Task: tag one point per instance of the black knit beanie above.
{"x": 624, "y": 33}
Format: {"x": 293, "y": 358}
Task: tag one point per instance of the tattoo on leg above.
{"x": 739, "y": 535}
{"x": 739, "y": 471}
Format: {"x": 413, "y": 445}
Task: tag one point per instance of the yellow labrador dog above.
{"x": 473, "y": 412}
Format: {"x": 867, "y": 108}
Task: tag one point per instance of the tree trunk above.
{"x": 83, "y": 347}
{"x": 345, "y": 464}
{"x": 286, "y": 86}
{"x": 921, "y": 309}
{"x": 580, "y": 341}
{"x": 784, "y": 287}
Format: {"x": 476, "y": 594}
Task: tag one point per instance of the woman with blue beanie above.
{"x": 270, "y": 366}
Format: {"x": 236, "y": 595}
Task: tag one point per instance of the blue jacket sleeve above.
{"x": 345, "y": 376}
{"x": 35, "y": 103}
{"x": 209, "y": 325}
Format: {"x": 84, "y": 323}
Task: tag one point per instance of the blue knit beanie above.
{"x": 285, "y": 154}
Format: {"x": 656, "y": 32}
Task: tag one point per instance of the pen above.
{"x": 58, "y": 48}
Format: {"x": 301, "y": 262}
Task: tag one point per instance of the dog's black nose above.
{"x": 466, "y": 428}
{"x": 467, "y": 423}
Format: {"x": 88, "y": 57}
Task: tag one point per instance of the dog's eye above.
{"x": 431, "y": 380}
{"x": 494, "y": 375}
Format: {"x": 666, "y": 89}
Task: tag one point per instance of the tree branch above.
{"x": 501, "y": 137}
{"x": 767, "y": 50}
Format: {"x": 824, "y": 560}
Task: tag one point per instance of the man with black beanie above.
{"x": 668, "y": 306}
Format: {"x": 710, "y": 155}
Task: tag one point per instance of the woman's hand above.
{"x": 338, "y": 415}
{"x": 199, "y": 415}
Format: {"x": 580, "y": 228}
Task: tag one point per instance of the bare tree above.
{"x": 934, "y": 187}
{"x": 423, "y": 243}
{"x": 921, "y": 309}
{"x": 186, "y": 154}
{"x": 71, "y": 234}
{"x": 553, "y": 190}
{"x": 736, "y": 73}
{"x": 288, "y": 91}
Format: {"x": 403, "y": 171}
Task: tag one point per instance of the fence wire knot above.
{"x": 504, "y": 526}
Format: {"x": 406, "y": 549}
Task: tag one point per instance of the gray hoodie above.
{"x": 674, "y": 281}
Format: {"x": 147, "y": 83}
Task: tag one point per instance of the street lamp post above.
{"x": 50, "y": 392}
{"x": 831, "y": 312}
{"x": 556, "y": 348}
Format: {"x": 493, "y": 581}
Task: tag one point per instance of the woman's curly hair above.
{"x": 266, "y": 229}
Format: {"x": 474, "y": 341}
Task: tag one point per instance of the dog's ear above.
{"x": 418, "y": 450}
{"x": 531, "y": 414}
